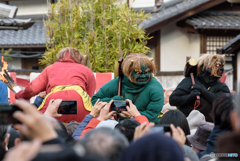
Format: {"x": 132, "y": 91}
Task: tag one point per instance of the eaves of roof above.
{"x": 176, "y": 13}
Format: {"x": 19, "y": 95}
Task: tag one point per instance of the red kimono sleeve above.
{"x": 38, "y": 85}
{"x": 91, "y": 125}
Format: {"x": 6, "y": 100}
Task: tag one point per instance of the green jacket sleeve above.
{"x": 107, "y": 92}
{"x": 154, "y": 108}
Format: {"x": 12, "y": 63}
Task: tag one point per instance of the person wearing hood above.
{"x": 210, "y": 69}
{"x": 138, "y": 85}
{"x": 67, "y": 79}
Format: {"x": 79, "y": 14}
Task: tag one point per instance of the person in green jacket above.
{"x": 138, "y": 85}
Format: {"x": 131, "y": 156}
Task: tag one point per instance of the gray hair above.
{"x": 104, "y": 142}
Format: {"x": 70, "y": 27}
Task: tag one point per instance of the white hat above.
{"x": 108, "y": 123}
{"x": 195, "y": 118}
{"x": 168, "y": 106}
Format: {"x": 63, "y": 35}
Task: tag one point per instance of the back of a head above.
{"x": 153, "y": 147}
{"x": 229, "y": 143}
{"x": 127, "y": 128}
{"x": 177, "y": 118}
{"x": 222, "y": 106}
{"x": 71, "y": 127}
{"x": 104, "y": 142}
{"x": 3, "y": 132}
{"x": 13, "y": 135}
{"x": 70, "y": 53}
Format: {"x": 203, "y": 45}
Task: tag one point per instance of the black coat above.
{"x": 184, "y": 99}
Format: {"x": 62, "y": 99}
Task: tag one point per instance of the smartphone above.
{"x": 68, "y": 108}
{"x": 119, "y": 106}
{"x": 161, "y": 129}
{"x": 6, "y": 114}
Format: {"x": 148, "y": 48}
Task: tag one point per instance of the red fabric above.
{"x": 141, "y": 119}
{"x": 22, "y": 82}
{"x": 103, "y": 79}
{"x": 60, "y": 74}
{"x": 223, "y": 78}
{"x": 91, "y": 125}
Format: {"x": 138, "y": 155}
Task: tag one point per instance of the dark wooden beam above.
{"x": 218, "y": 32}
{"x": 13, "y": 0}
{"x": 157, "y": 51}
{"x": 174, "y": 73}
{"x": 22, "y": 47}
{"x": 186, "y": 26}
{"x": 203, "y": 44}
{"x": 184, "y": 15}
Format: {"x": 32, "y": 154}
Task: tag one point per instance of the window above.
{"x": 210, "y": 43}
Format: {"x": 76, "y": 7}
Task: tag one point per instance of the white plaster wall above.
{"x": 176, "y": 44}
{"x": 33, "y": 7}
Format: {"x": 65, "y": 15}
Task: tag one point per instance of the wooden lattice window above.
{"x": 209, "y": 43}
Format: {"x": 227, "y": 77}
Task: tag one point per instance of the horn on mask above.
{"x": 132, "y": 61}
{"x": 151, "y": 59}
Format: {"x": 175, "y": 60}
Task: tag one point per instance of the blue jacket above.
{"x": 81, "y": 126}
{"x": 211, "y": 141}
{"x": 38, "y": 101}
{"x": 3, "y": 93}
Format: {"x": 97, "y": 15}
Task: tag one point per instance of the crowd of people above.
{"x": 150, "y": 124}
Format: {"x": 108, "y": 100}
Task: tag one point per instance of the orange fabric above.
{"x": 141, "y": 119}
{"x": 91, "y": 125}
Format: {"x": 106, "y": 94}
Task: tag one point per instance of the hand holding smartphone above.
{"x": 161, "y": 129}
{"x": 68, "y": 108}
{"x": 119, "y": 106}
{"x": 6, "y": 114}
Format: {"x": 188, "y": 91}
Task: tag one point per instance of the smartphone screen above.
{"x": 6, "y": 114}
{"x": 119, "y": 106}
{"x": 160, "y": 129}
{"x": 68, "y": 108}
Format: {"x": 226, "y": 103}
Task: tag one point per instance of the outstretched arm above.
{"x": 38, "y": 85}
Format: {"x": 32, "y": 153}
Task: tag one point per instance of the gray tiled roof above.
{"x": 33, "y": 36}
{"x": 170, "y": 12}
{"x": 228, "y": 46}
{"x": 213, "y": 19}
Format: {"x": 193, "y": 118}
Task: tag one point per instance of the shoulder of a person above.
{"x": 186, "y": 81}
{"x": 154, "y": 86}
{"x": 221, "y": 85}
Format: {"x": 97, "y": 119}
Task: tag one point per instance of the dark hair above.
{"x": 177, "y": 118}
{"x": 3, "y": 132}
{"x": 62, "y": 125}
{"x": 228, "y": 143}
{"x": 13, "y": 135}
{"x": 71, "y": 127}
{"x": 127, "y": 128}
{"x": 222, "y": 106}
{"x": 104, "y": 142}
